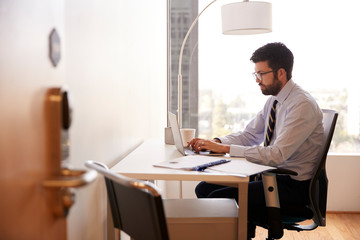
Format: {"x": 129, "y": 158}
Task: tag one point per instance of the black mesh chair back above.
{"x": 136, "y": 206}
{"x": 319, "y": 182}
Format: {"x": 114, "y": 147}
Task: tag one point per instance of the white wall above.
{"x": 115, "y": 55}
{"x": 344, "y": 180}
{"x": 116, "y": 71}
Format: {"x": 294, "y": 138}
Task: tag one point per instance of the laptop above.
{"x": 178, "y": 141}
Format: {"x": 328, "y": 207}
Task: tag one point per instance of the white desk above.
{"x": 138, "y": 164}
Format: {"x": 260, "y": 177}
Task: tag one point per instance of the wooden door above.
{"x": 26, "y": 74}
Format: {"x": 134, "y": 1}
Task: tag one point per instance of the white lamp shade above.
{"x": 246, "y": 18}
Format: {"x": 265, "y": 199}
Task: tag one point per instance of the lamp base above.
{"x": 169, "y": 139}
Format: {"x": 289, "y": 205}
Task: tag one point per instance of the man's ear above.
{"x": 282, "y": 74}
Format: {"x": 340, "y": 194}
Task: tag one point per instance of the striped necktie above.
{"x": 271, "y": 124}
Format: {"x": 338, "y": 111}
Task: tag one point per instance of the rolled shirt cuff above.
{"x": 237, "y": 151}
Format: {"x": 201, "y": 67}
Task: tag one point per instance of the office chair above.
{"x": 136, "y": 206}
{"x": 316, "y": 210}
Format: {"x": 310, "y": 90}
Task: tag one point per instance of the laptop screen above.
{"x": 176, "y": 133}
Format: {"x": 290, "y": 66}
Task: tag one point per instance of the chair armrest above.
{"x": 226, "y": 184}
{"x": 281, "y": 171}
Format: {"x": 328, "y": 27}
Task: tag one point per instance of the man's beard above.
{"x": 272, "y": 89}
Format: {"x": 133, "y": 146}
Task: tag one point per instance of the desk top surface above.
{"x": 139, "y": 164}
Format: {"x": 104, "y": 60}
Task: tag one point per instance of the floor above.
{"x": 339, "y": 226}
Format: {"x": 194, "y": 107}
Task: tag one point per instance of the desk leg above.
{"x": 181, "y": 190}
{"x": 243, "y": 207}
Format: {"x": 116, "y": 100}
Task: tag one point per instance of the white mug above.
{"x": 187, "y": 134}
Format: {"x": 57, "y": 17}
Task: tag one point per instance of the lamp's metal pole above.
{"x": 261, "y": 29}
{"x": 180, "y": 63}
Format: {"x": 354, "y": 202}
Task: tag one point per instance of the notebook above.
{"x": 178, "y": 141}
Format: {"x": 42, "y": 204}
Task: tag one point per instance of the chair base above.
{"x": 293, "y": 227}
{"x": 298, "y": 227}
{"x": 196, "y": 219}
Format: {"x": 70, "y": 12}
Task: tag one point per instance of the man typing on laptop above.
{"x": 289, "y": 126}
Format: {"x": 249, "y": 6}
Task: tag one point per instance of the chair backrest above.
{"x": 136, "y": 206}
{"x": 319, "y": 181}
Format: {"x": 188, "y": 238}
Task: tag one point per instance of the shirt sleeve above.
{"x": 252, "y": 135}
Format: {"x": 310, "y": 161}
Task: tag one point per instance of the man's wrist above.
{"x": 226, "y": 149}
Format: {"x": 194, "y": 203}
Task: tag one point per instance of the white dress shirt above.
{"x": 297, "y": 139}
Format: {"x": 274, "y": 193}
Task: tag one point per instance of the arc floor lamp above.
{"x": 240, "y": 18}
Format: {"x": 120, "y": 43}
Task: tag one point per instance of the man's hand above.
{"x": 199, "y": 144}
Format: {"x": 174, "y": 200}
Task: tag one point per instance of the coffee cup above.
{"x": 187, "y": 134}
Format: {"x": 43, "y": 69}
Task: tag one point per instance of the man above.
{"x": 290, "y": 125}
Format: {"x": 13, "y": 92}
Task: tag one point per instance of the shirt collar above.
{"x": 285, "y": 91}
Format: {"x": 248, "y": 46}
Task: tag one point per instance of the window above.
{"x": 222, "y": 95}
{"x": 182, "y": 14}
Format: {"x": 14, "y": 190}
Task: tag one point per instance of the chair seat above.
{"x": 196, "y": 219}
{"x": 294, "y": 214}
{"x": 291, "y": 214}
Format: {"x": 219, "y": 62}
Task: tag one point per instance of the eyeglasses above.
{"x": 258, "y": 75}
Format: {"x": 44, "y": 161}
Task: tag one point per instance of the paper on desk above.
{"x": 187, "y": 162}
{"x": 239, "y": 167}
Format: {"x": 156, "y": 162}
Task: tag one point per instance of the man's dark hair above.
{"x": 277, "y": 55}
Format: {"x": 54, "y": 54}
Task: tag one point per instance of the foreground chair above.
{"x": 138, "y": 209}
{"x": 142, "y": 213}
{"x": 316, "y": 210}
